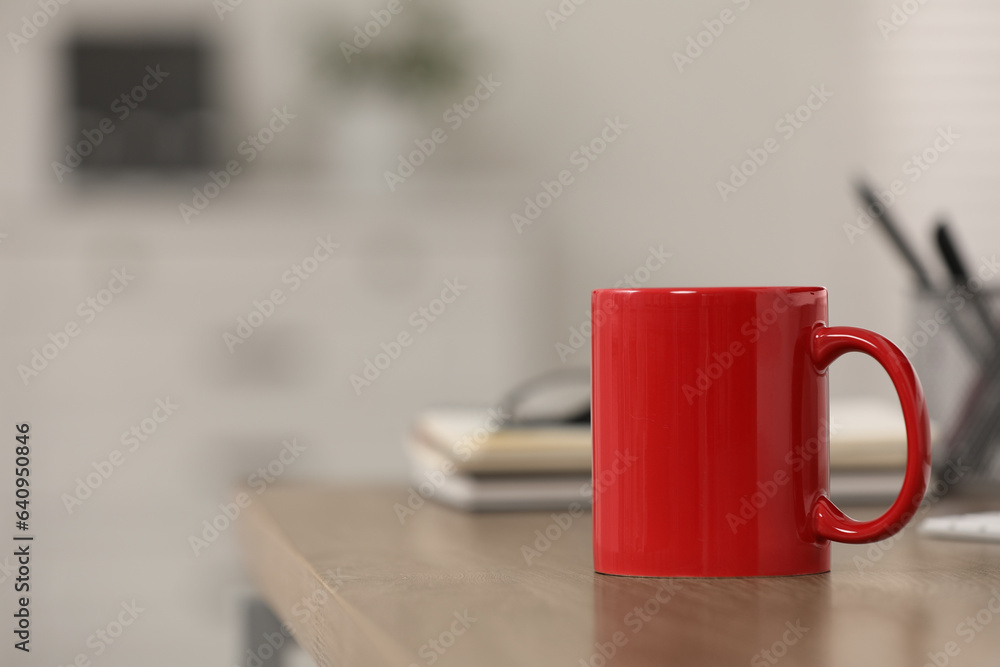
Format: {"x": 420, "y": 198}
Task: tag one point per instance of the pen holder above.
{"x": 957, "y": 356}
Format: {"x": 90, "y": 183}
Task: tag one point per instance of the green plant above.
{"x": 417, "y": 54}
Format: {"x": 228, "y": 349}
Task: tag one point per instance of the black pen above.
{"x": 879, "y": 210}
{"x": 881, "y": 214}
{"x": 960, "y": 275}
{"x": 975, "y": 429}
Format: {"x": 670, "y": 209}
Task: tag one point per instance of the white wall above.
{"x": 654, "y": 186}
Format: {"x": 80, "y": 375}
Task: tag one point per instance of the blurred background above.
{"x": 220, "y": 217}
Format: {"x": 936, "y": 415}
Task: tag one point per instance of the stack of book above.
{"x": 867, "y": 451}
{"x": 469, "y": 458}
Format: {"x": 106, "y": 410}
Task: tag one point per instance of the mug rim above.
{"x": 791, "y": 289}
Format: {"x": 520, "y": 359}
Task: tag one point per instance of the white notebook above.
{"x": 976, "y": 527}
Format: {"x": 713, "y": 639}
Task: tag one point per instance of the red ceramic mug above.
{"x": 711, "y": 439}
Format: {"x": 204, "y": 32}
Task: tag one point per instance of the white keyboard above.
{"x": 978, "y": 527}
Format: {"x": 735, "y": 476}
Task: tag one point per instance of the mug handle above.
{"x": 829, "y": 343}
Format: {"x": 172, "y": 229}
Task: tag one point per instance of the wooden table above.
{"x": 359, "y": 585}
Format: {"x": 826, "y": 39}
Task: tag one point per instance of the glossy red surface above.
{"x": 711, "y": 446}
